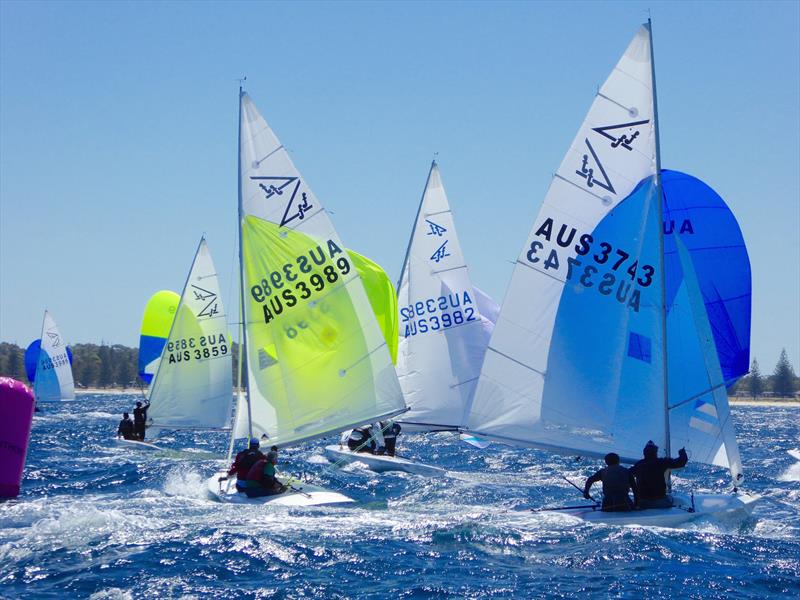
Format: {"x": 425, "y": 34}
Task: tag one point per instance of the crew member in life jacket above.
{"x": 651, "y": 476}
{"x": 617, "y": 482}
{"x": 125, "y": 429}
{"x": 390, "y": 432}
{"x": 139, "y": 419}
{"x": 362, "y": 440}
{"x": 261, "y": 480}
{"x": 243, "y": 462}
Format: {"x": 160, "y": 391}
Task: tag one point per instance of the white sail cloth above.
{"x": 192, "y": 388}
{"x": 317, "y": 361}
{"x": 443, "y": 337}
{"x": 53, "y": 369}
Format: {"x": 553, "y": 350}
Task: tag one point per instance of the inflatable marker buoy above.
{"x": 16, "y": 416}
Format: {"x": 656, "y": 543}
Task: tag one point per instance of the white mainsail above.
{"x": 577, "y": 360}
{"x": 53, "y": 369}
{"x": 442, "y": 332}
{"x": 317, "y": 362}
{"x": 192, "y": 388}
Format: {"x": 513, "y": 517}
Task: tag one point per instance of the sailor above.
{"x": 390, "y": 432}
{"x": 243, "y": 462}
{"x": 139, "y": 419}
{"x": 125, "y": 429}
{"x": 261, "y": 480}
{"x": 651, "y": 475}
{"x": 361, "y": 440}
{"x": 617, "y": 482}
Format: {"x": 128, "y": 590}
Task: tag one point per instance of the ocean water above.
{"x": 99, "y": 521}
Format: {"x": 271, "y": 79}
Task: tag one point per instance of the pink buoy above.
{"x": 16, "y": 416}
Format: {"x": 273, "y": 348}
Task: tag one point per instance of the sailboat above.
{"x": 589, "y": 355}
{"x": 53, "y": 372}
{"x": 192, "y": 387}
{"x": 444, "y": 334}
{"x": 317, "y": 362}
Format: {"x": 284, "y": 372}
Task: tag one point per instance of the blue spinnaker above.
{"x": 708, "y": 229}
{"x": 32, "y": 358}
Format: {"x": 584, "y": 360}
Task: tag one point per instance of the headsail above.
{"x": 575, "y": 363}
{"x": 156, "y": 323}
{"x": 695, "y": 214}
{"x": 192, "y": 388}
{"x": 53, "y": 368}
{"x": 443, "y": 337}
{"x": 317, "y": 361}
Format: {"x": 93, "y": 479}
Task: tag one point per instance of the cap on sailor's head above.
{"x": 254, "y": 443}
{"x": 650, "y": 448}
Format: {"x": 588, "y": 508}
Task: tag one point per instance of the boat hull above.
{"x": 381, "y": 463}
{"x": 138, "y": 445}
{"x": 298, "y": 493}
{"x": 705, "y": 505}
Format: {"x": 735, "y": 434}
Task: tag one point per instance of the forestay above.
{"x": 317, "y": 361}
{"x": 443, "y": 336}
{"x": 53, "y": 368}
{"x": 575, "y": 363}
{"x": 192, "y": 388}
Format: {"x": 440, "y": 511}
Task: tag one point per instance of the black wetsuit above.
{"x": 390, "y": 437}
{"x": 139, "y": 420}
{"x": 617, "y": 482}
{"x": 125, "y": 429}
{"x": 361, "y": 440}
{"x": 651, "y": 486}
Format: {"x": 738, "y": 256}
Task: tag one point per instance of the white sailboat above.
{"x": 443, "y": 334}
{"x": 53, "y": 369}
{"x": 317, "y": 362}
{"x": 587, "y": 356}
{"x": 192, "y": 388}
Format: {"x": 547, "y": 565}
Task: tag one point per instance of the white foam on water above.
{"x": 112, "y": 594}
{"x": 186, "y": 484}
{"x": 791, "y": 474}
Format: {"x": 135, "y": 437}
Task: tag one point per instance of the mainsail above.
{"x": 595, "y": 350}
{"x": 156, "y": 323}
{"x": 53, "y": 367}
{"x": 317, "y": 362}
{"x": 192, "y": 388}
{"x": 443, "y": 335}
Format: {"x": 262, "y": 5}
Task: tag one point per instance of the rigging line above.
{"x": 522, "y": 364}
{"x": 698, "y": 395}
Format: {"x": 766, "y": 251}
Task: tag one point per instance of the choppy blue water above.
{"x": 99, "y": 521}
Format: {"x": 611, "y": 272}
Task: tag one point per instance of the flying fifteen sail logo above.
{"x": 590, "y": 165}
{"x": 622, "y": 139}
{"x": 436, "y": 230}
{"x": 277, "y": 186}
{"x": 441, "y": 252}
{"x": 209, "y": 300}
{"x": 55, "y": 339}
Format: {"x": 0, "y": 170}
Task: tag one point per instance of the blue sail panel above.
{"x": 700, "y": 218}
{"x": 31, "y": 359}
{"x": 603, "y": 386}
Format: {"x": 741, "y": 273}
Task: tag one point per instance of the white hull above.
{"x": 137, "y": 445}
{"x": 381, "y": 463}
{"x": 705, "y": 505}
{"x": 299, "y": 494}
{"x": 794, "y": 453}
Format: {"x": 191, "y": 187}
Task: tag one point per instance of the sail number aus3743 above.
{"x": 611, "y": 270}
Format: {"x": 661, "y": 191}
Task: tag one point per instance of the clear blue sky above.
{"x": 118, "y": 134}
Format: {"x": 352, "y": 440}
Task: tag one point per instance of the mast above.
{"x": 242, "y": 313}
{"x": 660, "y": 200}
{"x": 414, "y": 228}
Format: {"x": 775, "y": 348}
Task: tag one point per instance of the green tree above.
{"x": 755, "y": 382}
{"x": 783, "y": 377}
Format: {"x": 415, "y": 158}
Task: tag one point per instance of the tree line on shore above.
{"x": 93, "y": 366}
{"x": 105, "y": 366}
